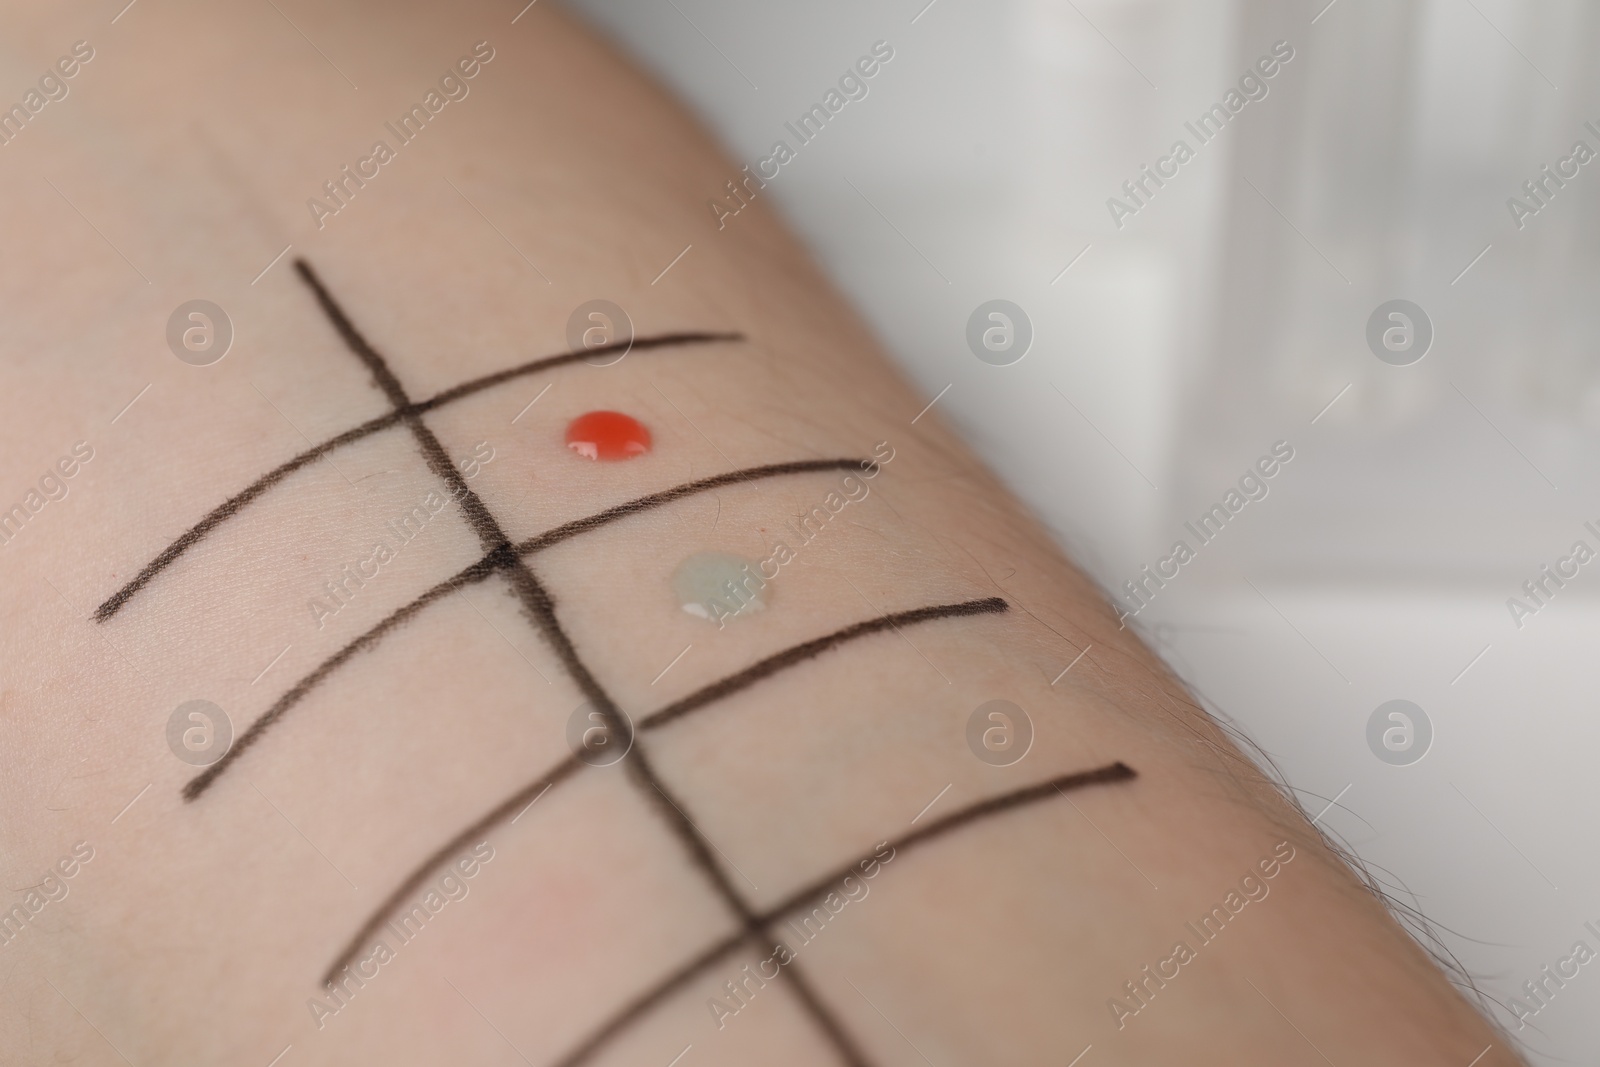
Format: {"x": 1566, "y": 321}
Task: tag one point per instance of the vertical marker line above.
{"x": 540, "y": 608}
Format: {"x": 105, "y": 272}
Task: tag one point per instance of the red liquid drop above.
{"x": 607, "y": 435}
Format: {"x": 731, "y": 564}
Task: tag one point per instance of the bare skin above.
{"x": 200, "y": 931}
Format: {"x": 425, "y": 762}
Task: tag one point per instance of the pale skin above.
{"x": 198, "y": 932}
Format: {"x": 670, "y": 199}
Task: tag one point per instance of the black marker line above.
{"x": 536, "y": 600}
{"x": 443, "y": 855}
{"x": 815, "y": 647}
{"x": 265, "y": 721}
{"x": 479, "y": 571}
{"x": 666, "y": 496}
{"x": 540, "y": 608}
{"x": 671, "y": 811}
{"x": 813, "y": 1003}
{"x": 522, "y": 370}
{"x": 650, "y": 998}
{"x": 708, "y": 695}
{"x": 230, "y": 507}
{"x": 492, "y": 537}
{"x": 236, "y": 503}
{"x": 642, "y": 1003}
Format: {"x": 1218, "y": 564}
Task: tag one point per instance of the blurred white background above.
{"x": 1227, "y": 314}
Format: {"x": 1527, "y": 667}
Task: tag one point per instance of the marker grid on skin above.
{"x": 502, "y": 556}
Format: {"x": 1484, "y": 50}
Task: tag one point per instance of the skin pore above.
{"x": 800, "y": 859}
